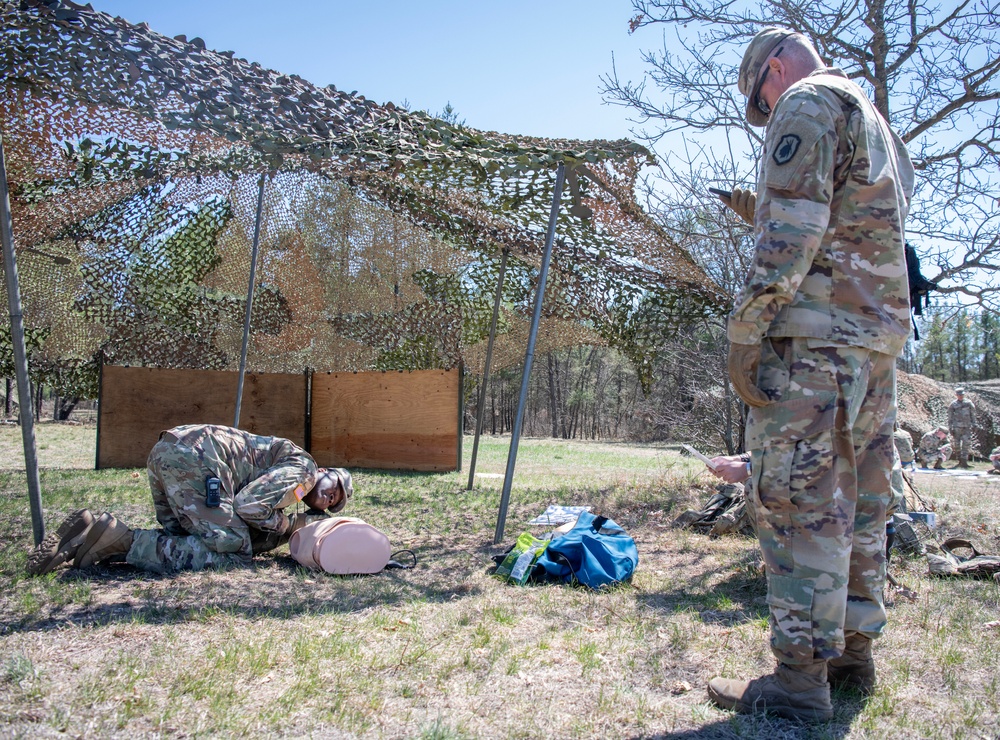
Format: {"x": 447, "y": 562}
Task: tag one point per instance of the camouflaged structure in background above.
{"x": 133, "y": 162}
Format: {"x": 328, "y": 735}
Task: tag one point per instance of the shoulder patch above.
{"x": 787, "y": 146}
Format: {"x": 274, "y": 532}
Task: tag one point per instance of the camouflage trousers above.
{"x": 962, "y": 438}
{"x": 822, "y": 453}
{"x": 942, "y": 454}
{"x": 194, "y": 536}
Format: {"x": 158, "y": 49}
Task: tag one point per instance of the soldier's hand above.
{"x": 743, "y": 362}
{"x": 265, "y": 541}
{"x": 744, "y": 204}
{"x": 731, "y": 469}
{"x": 297, "y": 521}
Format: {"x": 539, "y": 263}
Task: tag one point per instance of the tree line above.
{"x": 44, "y": 398}
{"x": 956, "y": 346}
{"x": 595, "y": 393}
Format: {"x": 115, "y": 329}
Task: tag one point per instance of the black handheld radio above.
{"x": 213, "y": 492}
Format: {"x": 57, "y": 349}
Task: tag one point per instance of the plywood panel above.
{"x": 390, "y": 420}
{"x": 137, "y": 403}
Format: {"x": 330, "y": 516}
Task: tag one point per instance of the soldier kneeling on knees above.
{"x": 220, "y": 496}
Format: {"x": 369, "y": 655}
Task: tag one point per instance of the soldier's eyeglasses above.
{"x": 761, "y": 104}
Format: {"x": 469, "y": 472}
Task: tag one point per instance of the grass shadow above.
{"x": 274, "y": 586}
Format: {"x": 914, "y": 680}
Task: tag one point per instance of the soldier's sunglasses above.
{"x": 761, "y": 104}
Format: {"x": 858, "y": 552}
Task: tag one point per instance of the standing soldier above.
{"x": 813, "y": 339}
{"x": 220, "y": 496}
{"x": 961, "y": 419}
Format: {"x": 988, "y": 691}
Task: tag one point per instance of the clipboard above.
{"x": 694, "y": 453}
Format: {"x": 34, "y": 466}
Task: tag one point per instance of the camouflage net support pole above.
{"x": 246, "y": 320}
{"x": 529, "y": 354}
{"x": 20, "y": 355}
{"x": 486, "y": 367}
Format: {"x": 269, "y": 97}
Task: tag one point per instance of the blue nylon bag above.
{"x": 595, "y": 553}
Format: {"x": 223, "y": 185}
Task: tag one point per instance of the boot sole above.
{"x": 60, "y": 546}
{"x": 788, "y": 712}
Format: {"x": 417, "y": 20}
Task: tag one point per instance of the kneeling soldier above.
{"x": 219, "y": 495}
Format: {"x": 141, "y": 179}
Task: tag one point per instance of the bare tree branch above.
{"x": 933, "y": 71}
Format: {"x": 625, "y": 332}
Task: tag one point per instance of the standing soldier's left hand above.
{"x": 743, "y": 362}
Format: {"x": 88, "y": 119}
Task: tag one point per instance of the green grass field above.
{"x": 446, "y": 650}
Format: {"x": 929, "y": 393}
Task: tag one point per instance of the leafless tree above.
{"x": 932, "y": 70}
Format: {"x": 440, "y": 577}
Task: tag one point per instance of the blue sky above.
{"x": 514, "y": 66}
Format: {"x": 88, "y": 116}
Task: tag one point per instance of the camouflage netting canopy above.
{"x": 134, "y": 162}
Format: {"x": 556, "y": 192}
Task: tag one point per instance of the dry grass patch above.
{"x": 447, "y": 651}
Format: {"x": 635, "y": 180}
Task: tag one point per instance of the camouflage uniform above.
{"x": 961, "y": 420}
{"x": 995, "y": 459}
{"x": 827, "y": 299}
{"x": 904, "y": 446}
{"x": 260, "y": 477}
{"x": 933, "y": 449}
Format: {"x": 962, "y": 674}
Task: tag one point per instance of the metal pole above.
{"x": 20, "y": 355}
{"x": 529, "y": 354}
{"x": 246, "y": 321}
{"x": 486, "y": 367}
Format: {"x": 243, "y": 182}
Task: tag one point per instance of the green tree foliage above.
{"x": 989, "y": 344}
{"x": 958, "y": 346}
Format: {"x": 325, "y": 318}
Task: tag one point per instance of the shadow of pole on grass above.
{"x": 274, "y": 587}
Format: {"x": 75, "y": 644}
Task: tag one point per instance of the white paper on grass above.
{"x": 555, "y": 515}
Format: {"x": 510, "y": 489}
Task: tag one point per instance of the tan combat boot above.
{"x": 855, "y": 668}
{"x": 60, "y": 546}
{"x": 792, "y": 691}
{"x": 938, "y": 465}
{"x": 106, "y": 538}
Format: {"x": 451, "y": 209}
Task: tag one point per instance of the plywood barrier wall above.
{"x": 390, "y": 420}
{"x": 137, "y": 403}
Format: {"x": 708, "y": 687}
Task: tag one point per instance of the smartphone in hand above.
{"x": 721, "y": 193}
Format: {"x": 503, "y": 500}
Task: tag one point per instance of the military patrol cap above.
{"x": 760, "y": 48}
{"x": 943, "y": 429}
{"x": 346, "y": 484}
{"x": 960, "y": 391}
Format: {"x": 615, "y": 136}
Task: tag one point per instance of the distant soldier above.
{"x": 934, "y": 448}
{"x": 995, "y": 459}
{"x": 961, "y": 420}
{"x": 220, "y": 496}
{"x": 904, "y": 447}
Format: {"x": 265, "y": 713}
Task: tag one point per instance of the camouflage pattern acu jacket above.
{"x": 833, "y": 194}
{"x": 961, "y": 414}
{"x": 261, "y": 475}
